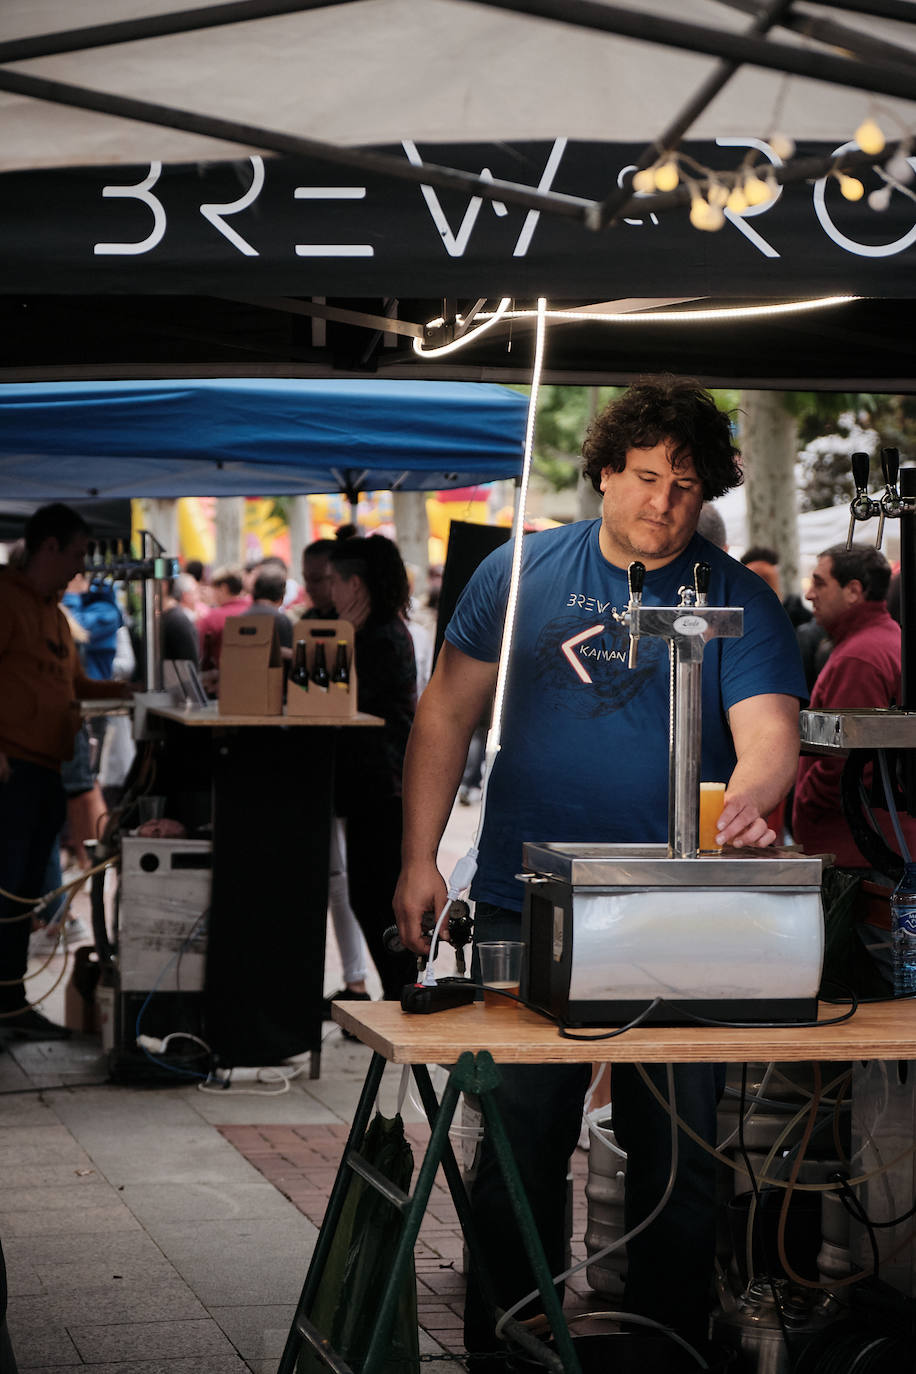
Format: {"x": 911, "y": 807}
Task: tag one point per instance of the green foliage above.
{"x": 563, "y": 416}
{"x": 830, "y": 426}
{"x": 833, "y": 425}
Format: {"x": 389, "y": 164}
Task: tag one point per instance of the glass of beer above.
{"x": 712, "y": 799}
{"x": 500, "y": 971}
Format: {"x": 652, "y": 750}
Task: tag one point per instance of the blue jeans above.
{"x": 31, "y": 814}
{"x": 670, "y": 1264}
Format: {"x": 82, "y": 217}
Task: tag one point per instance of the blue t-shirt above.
{"x": 584, "y": 754}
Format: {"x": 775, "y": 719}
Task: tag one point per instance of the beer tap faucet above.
{"x": 701, "y": 574}
{"x": 636, "y": 576}
{"x": 862, "y": 507}
{"x": 890, "y": 503}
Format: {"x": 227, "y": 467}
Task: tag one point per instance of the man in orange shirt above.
{"x": 41, "y": 683}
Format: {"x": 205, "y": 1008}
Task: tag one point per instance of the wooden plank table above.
{"x": 476, "y": 1037}
{"x": 514, "y": 1035}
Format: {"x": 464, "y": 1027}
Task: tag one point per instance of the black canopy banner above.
{"x": 299, "y": 228}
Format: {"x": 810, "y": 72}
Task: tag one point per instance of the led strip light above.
{"x": 725, "y": 314}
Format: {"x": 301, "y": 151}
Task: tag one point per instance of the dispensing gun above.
{"x": 891, "y": 504}
{"x": 687, "y": 627}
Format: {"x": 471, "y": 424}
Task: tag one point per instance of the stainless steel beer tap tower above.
{"x": 612, "y": 929}
{"x": 115, "y": 563}
{"x": 688, "y": 628}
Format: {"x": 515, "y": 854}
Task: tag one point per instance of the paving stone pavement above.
{"x": 302, "y": 1161}
{"x": 160, "y": 1228}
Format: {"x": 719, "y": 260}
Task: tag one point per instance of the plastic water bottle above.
{"x": 903, "y": 933}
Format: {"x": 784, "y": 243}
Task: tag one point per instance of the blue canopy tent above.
{"x": 254, "y": 437}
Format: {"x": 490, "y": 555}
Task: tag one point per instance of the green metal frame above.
{"x": 472, "y": 1074}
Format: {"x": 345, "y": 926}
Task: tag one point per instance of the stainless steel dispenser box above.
{"x": 162, "y": 927}
{"x": 736, "y": 936}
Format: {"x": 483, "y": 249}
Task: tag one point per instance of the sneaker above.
{"x": 344, "y": 995}
{"x": 469, "y": 796}
{"x": 29, "y": 1024}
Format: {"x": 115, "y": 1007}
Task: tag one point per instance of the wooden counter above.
{"x": 514, "y": 1035}
{"x": 211, "y": 716}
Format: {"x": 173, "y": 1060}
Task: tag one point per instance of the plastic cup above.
{"x": 151, "y": 808}
{"x": 712, "y": 799}
{"x": 500, "y": 972}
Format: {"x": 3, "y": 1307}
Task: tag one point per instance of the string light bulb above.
{"x": 850, "y": 187}
{"x": 755, "y": 190}
{"x": 899, "y": 168}
{"x": 737, "y": 201}
{"x": 718, "y": 195}
{"x": 644, "y": 181}
{"x": 870, "y": 137}
{"x": 782, "y": 145}
{"x": 705, "y": 216}
{"x": 667, "y": 176}
{"x": 880, "y": 199}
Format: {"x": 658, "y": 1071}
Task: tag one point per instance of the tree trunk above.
{"x": 769, "y": 445}
{"x": 160, "y": 518}
{"x": 300, "y": 532}
{"x": 412, "y": 534}
{"x": 230, "y": 520}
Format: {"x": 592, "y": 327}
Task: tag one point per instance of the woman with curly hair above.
{"x": 369, "y": 588}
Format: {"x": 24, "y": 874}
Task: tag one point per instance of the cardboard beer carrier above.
{"x": 337, "y": 700}
{"x": 250, "y": 667}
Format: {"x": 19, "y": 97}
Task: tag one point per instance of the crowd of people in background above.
{"x": 365, "y": 580}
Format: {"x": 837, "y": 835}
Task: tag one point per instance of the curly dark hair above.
{"x": 863, "y": 563}
{"x": 658, "y": 408}
{"x": 380, "y": 565}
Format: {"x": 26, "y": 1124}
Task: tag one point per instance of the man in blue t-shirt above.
{"x": 584, "y": 757}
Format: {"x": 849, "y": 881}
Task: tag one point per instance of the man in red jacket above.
{"x": 849, "y": 597}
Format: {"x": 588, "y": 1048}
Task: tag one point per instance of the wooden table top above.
{"x": 516, "y": 1036}
{"x": 211, "y": 716}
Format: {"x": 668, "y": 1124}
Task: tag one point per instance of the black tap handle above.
{"x": 890, "y": 465}
{"x": 860, "y": 465}
{"x": 636, "y": 576}
{"x": 701, "y": 575}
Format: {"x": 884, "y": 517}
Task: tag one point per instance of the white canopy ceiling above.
{"x": 372, "y": 72}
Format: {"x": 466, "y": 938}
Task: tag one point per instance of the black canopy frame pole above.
{"x": 291, "y": 145}
{"x": 881, "y": 78}
{"x": 810, "y": 25}
{"x": 154, "y": 26}
{"x": 427, "y": 174}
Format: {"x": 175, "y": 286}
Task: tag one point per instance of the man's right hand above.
{"x": 420, "y": 888}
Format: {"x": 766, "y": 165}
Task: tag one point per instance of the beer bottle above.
{"x": 300, "y": 673}
{"x": 320, "y": 669}
{"x": 341, "y": 674}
